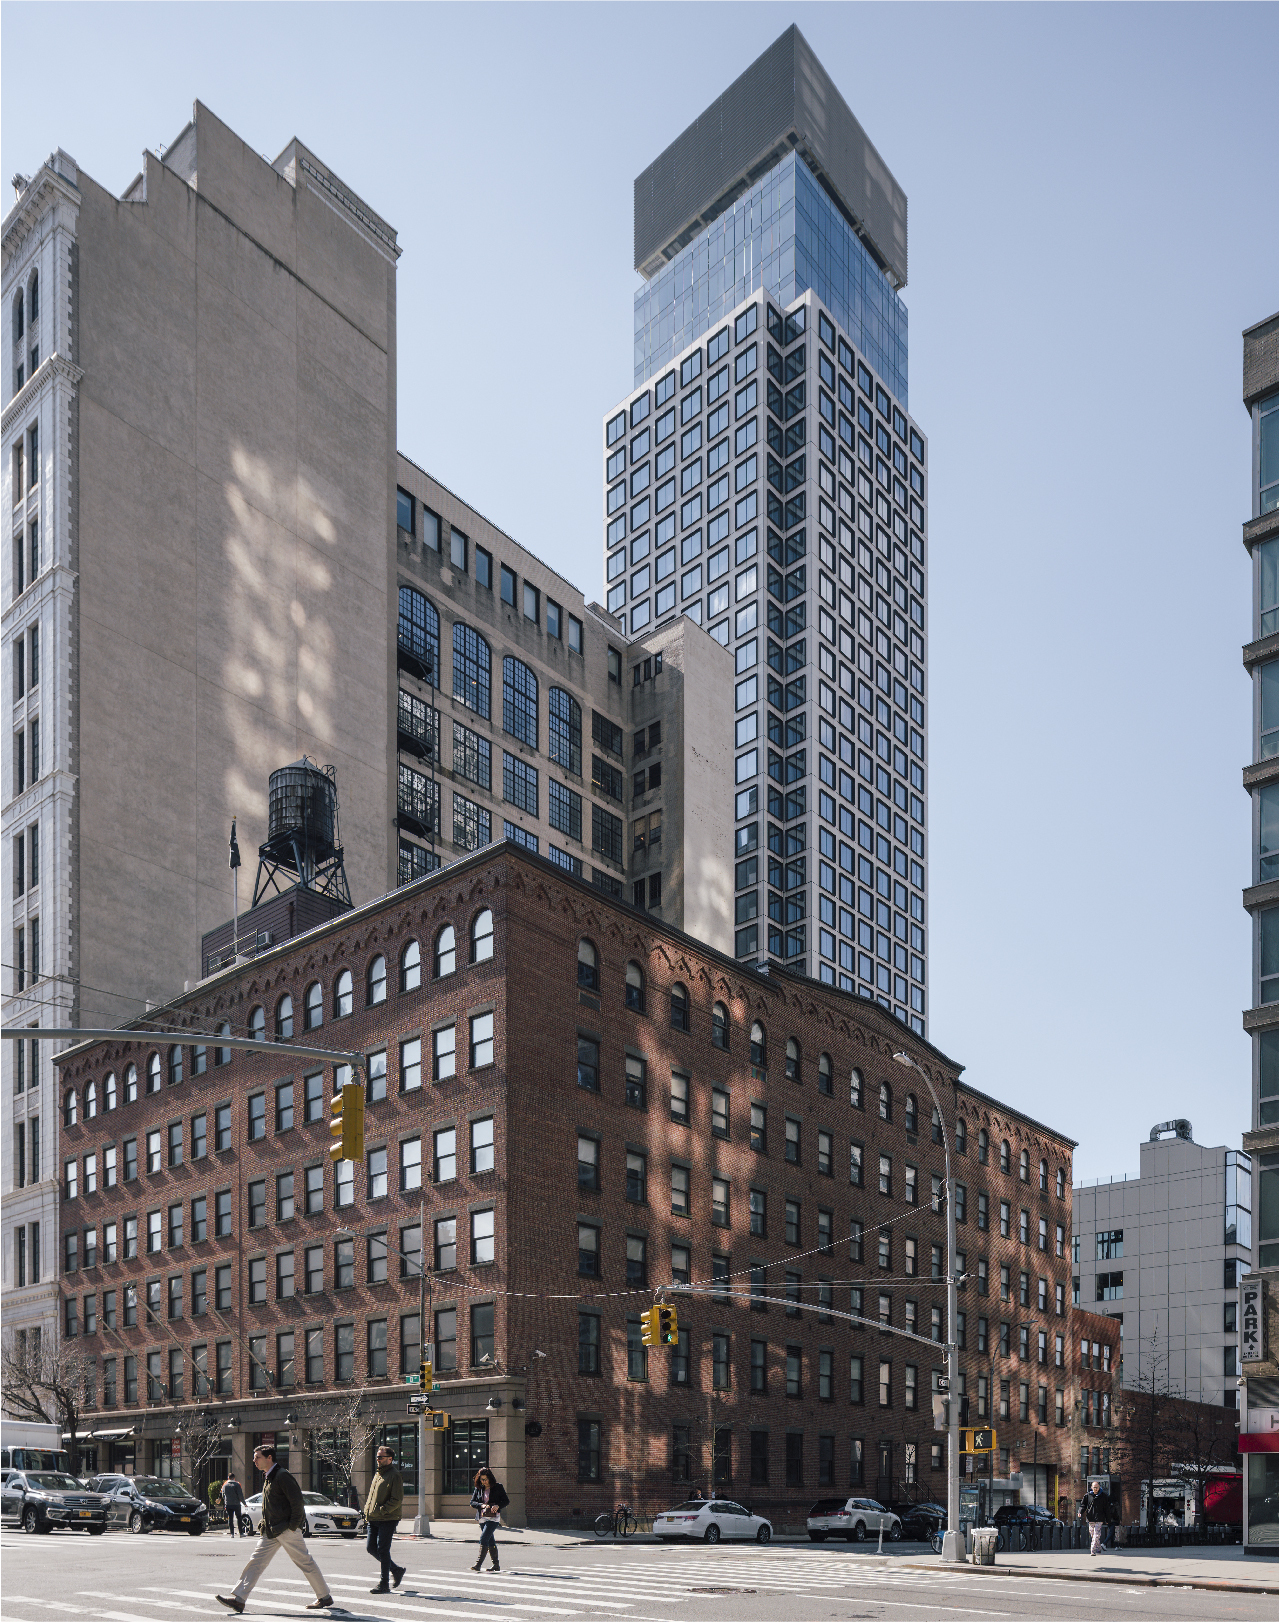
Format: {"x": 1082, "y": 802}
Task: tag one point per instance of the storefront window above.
{"x": 468, "y": 1449}
{"x": 1263, "y": 1480}
{"x": 403, "y": 1442}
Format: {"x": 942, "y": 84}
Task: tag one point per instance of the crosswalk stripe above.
{"x": 338, "y": 1586}
{"x": 588, "y": 1590}
{"x": 53, "y": 1604}
{"x": 141, "y": 1599}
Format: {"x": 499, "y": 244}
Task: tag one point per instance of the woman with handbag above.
{"x": 488, "y": 1500}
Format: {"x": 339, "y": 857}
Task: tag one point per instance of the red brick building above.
{"x": 593, "y": 1106}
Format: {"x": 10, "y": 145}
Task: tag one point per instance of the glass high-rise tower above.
{"x": 765, "y": 478}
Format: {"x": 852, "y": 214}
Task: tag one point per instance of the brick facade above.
{"x": 554, "y": 1021}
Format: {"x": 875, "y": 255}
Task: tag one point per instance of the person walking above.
{"x": 283, "y": 1520}
{"x": 382, "y": 1513}
{"x": 1095, "y": 1509}
{"x": 233, "y": 1503}
{"x": 488, "y": 1500}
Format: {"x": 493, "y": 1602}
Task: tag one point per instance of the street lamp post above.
{"x": 952, "y": 1540}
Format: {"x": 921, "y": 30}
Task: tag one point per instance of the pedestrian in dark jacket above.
{"x": 382, "y": 1513}
{"x": 1096, "y": 1509}
{"x": 488, "y": 1500}
{"x": 283, "y": 1522}
{"x": 233, "y": 1503}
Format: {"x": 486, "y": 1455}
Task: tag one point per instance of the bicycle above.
{"x": 622, "y": 1523}
{"x": 935, "y": 1541}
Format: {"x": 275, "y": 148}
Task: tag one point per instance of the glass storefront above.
{"x": 467, "y": 1450}
{"x": 403, "y": 1442}
{"x": 1264, "y": 1480}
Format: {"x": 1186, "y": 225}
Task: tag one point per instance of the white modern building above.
{"x": 1162, "y": 1253}
{"x": 764, "y": 477}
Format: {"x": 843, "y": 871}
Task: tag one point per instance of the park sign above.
{"x": 1253, "y": 1337}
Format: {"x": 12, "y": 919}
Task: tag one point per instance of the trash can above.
{"x": 984, "y": 1545}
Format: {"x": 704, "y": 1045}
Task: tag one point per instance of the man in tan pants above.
{"x": 283, "y": 1519}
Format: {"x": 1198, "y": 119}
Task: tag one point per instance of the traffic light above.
{"x": 668, "y": 1332}
{"x": 439, "y": 1421}
{"x": 981, "y": 1440}
{"x": 649, "y": 1327}
{"x": 425, "y": 1375}
{"x": 346, "y": 1124}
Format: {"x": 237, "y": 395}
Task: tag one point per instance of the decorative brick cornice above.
{"x": 53, "y": 366}
{"x": 1260, "y": 529}
{"x": 1253, "y": 653}
{"x": 1262, "y": 1019}
{"x": 1261, "y": 895}
{"x": 1262, "y": 771}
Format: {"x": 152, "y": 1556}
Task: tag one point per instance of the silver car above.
{"x": 854, "y": 1519}
{"x": 709, "y": 1520}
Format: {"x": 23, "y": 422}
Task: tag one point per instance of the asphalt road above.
{"x": 168, "y": 1578}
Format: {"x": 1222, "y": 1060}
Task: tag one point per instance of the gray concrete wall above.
{"x": 237, "y": 423}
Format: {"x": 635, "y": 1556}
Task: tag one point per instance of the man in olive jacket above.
{"x": 283, "y": 1520}
{"x": 382, "y": 1512}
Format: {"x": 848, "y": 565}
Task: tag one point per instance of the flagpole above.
{"x": 234, "y": 863}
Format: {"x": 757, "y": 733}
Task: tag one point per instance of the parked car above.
{"x": 711, "y": 1519}
{"x": 323, "y": 1515}
{"x": 152, "y": 1504}
{"x": 1024, "y": 1515}
{"x": 39, "y": 1500}
{"x": 920, "y": 1521}
{"x": 853, "y": 1519}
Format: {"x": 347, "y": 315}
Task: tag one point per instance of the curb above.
{"x": 1223, "y": 1585}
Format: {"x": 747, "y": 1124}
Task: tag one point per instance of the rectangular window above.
{"x": 482, "y": 1237}
{"x": 481, "y": 1040}
{"x": 588, "y": 1343}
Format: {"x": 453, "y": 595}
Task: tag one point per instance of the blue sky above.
{"x": 1093, "y": 220}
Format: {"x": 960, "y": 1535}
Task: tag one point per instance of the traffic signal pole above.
{"x": 422, "y": 1521}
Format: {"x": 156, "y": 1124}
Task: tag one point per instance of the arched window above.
{"x": 984, "y": 1146}
{"x": 376, "y": 981}
{"x": 1024, "y": 1167}
{"x": 962, "y": 1139}
{"x": 91, "y": 1100}
{"x": 791, "y": 1067}
{"x": 153, "y": 1072}
{"x": 411, "y": 967}
{"x": 471, "y": 667}
{"x": 720, "y": 1027}
{"x": 679, "y": 1008}
{"x": 313, "y": 1005}
{"x": 564, "y": 730}
{"x": 909, "y": 1113}
{"x": 446, "y": 955}
{"x": 482, "y": 937}
{"x": 33, "y": 301}
{"x": 1062, "y": 1183}
{"x": 220, "y": 1055}
{"x": 824, "y": 1073}
{"x": 175, "y": 1064}
{"x": 109, "y": 1091}
{"x": 519, "y": 701}
{"x": 1044, "y": 1176}
{"x": 886, "y": 1101}
{"x": 342, "y": 994}
{"x": 70, "y": 1111}
{"x": 284, "y": 1018}
{"x": 1004, "y": 1154}
{"x": 588, "y": 969}
{"x": 756, "y": 1047}
{"x": 19, "y": 317}
{"x": 634, "y": 994}
{"x": 257, "y": 1025}
{"x": 936, "y": 1126}
{"x": 419, "y": 633}
{"x": 855, "y": 1089}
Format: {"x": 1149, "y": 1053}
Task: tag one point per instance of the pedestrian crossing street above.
{"x": 648, "y": 1586}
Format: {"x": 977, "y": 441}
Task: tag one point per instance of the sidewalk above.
{"x": 1227, "y": 1569}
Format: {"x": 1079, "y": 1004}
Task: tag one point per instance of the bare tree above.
{"x": 201, "y": 1439}
{"x": 50, "y": 1384}
{"x": 1148, "y": 1425}
{"x": 342, "y": 1431}
{"x": 1206, "y": 1441}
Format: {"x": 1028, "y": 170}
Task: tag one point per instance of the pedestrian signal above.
{"x": 346, "y": 1122}
{"x": 668, "y": 1332}
{"x": 439, "y": 1422}
{"x": 981, "y": 1440}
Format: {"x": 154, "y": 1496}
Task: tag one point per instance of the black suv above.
{"x": 150, "y": 1504}
{"x": 920, "y": 1521}
{"x": 39, "y": 1500}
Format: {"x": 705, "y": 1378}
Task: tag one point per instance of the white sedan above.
{"x": 710, "y": 1520}
{"x": 323, "y": 1515}
{"x": 853, "y": 1519}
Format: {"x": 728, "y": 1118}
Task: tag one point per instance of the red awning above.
{"x": 1260, "y": 1441}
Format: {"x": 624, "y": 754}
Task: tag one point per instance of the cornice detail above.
{"x": 47, "y": 187}
{"x": 53, "y": 366}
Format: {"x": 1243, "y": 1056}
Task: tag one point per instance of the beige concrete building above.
{"x": 212, "y": 539}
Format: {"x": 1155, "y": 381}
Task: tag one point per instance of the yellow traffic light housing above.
{"x": 439, "y": 1422}
{"x": 426, "y": 1374}
{"x": 668, "y": 1330}
{"x": 980, "y": 1440}
{"x": 649, "y": 1327}
{"x": 346, "y": 1123}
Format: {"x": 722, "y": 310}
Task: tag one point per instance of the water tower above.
{"x": 302, "y": 847}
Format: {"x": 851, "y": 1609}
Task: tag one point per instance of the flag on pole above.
{"x": 234, "y": 859}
